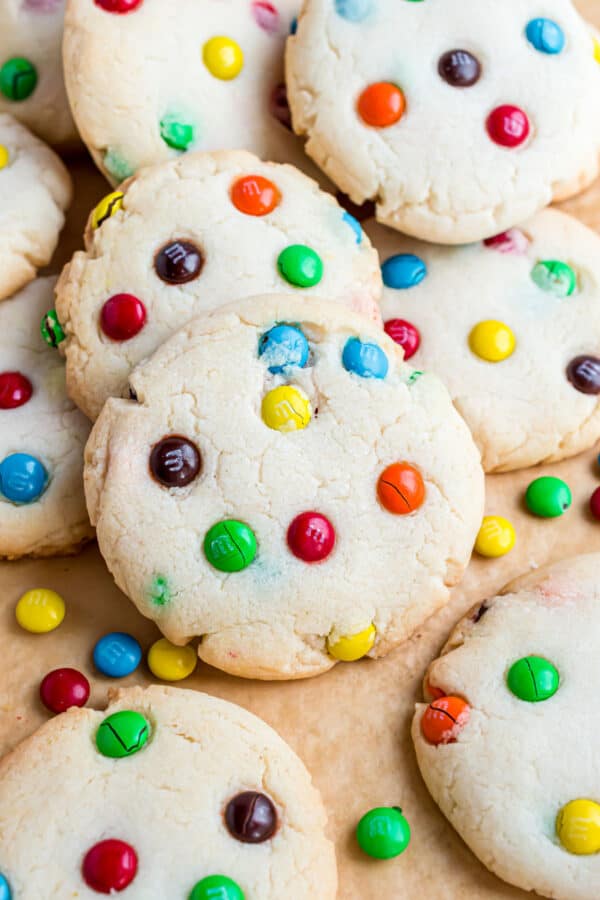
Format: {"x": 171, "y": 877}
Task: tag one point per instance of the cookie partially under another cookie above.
{"x": 42, "y": 436}
{"x": 508, "y": 744}
{"x": 459, "y": 120}
{"x": 35, "y": 191}
{"x": 512, "y": 327}
{"x": 167, "y": 793}
{"x": 285, "y": 487}
{"x": 185, "y": 237}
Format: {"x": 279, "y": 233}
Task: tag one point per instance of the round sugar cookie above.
{"x": 187, "y": 236}
{"x": 32, "y": 86}
{"x": 149, "y": 80}
{"x": 508, "y": 743}
{"x": 42, "y": 437}
{"x": 35, "y": 191}
{"x": 285, "y": 487}
{"x": 512, "y": 327}
{"x": 458, "y": 120}
{"x": 186, "y": 796}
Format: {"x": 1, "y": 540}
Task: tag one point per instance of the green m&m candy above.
{"x": 548, "y": 497}
{"x": 18, "y": 78}
{"x": 533, "y": 679}
{"x": 177, "y": 134}
{"x": 51, "y": 329}
{"x": 230, "y": 546}
{"x": 300, "y": 266}
{"x": 216, "y": 887}
{"x": 554, "y": 276}
{"x": 122, "y": 734}
{"x": 383, "y": 832}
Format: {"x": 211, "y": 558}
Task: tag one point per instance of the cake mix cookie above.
{"x": 512, "y": 326}
{"x": 42, "y": 436}
{"x": 35, "y": 191}
{"x": 508, "y": 743}
{"x": 185, "y": 237}
{"x": 149, "y": 79}
{"x": 284, "y": 486}
{"x": 459, "y": 120}
{"x": 32, "y": 87}
{"x": 185, "y": 796}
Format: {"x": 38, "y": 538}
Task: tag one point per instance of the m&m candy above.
{"x": 353, "y": 10}
{"x": 350, "y": 648}
{"x": 15, "y": 390}
{"x": 216, "y": 887}
{"x": 175, "y": 461}
{"x": 555, "y": 277}
{"x": 548, "y": 497}
{"x": 364, "y": 359}
{"x": 403, "y": 271}
{"x": 122, "y": 317}
{"x": 118, "y": 6}
{"x": 383, "y": 833}
{"x": 508, "y": 126}
{"x": 459, "y": 68}
{"x": 177, "y": 134}
{"x": 51, "y": 329}
{"x": 5, "y": 892}
{"x": 122, "y": 734}
{"x": 230, "y": 546}
{"x": 286, "y": 409}
{"x": 179, "y": 262}
{"x": 40, "y": 610}
{"x": 533, "y": 679}
{"x": 578, "y": 827}
{"x": 401, "y": 489}
{"x": 301, "y": 266}
{"x": 18, "y": 79}
{"x": 108, "y": 207}
{"x": 492, "y": 341}
{"x": 405, "y": 334}
{"x": 23, "y": 478}
{"x": 283, "y": 348}
{"x": 545, "y": 35}
{"x": 63, "y": 688}
{"x": 495, "y": 538}
{"x": 354, "y": 224}
{"x": 255, "y": 195}
{"x": 109, "y": 866}
{"x": 223, "y": 57}
{"x": 251, "y": 817}
{"x": 584, "y": 374}
{"x": 381, "y": 104}
{"x": 311, "y": 537}
{"x": 4, "y": 161}
{"x": 117, "y": 654}
{"x": 595, "y": 503}
{"x": 171, "y": 663}
{"x": 444, "y": 719}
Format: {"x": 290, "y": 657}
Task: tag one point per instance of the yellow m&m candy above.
{"x": 492, "y": 341}
{"x": 352, "y": 647}
{"x": 40, "y": 610}
{"x": 597, "y": 50}
{"x": 496, "y": 537}
{"x": 223, "y": 58}
{"x": 578, "y": 827}
{"x": 107, "y": 207}
{"x": 286, "y": 408}
{"x": 4, "y": 156}
{"x": 171, "y": 663}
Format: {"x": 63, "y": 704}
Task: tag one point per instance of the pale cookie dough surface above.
{"x": 48, "y": 427}
{"x": 190, "y": 200}
{"x": 273, "y": 619}
{"x": 522, "y": 410}
{"x": 35, "y": 191}
{"x": 167, "y": 801}
{"x": 516, "y": 764}
{"x": 436, "y": 174}
{"x": 141, "y": 91}
{"x": 32, "y": 30}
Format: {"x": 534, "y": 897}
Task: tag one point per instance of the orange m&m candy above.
{"x": 254, "y": 195}
{"x": 401, "y": 489}
{"x": 444, "y": 719}
{"x": 381, "y": 104}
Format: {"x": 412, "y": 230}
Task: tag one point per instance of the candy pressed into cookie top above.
{"x": 185, "y": 237}
{"x": 458, "y": 119}
{"x": 512, "y": 327}
{"x": 284, "y": 486}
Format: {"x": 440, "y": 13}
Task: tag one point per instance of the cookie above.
{"x": 285, "y": 487}
{"x": 186, "y": 796}
{"x": 32, "y": 86}
{"x": 188, "y": 236}
{"x": 35, "y": 191}
{"x": 148, "y": 80}
{"x": 508, "y": 744}
{"x": 42, "y": 436}
{"x": 459, "y": 120}
{"x": 512, "y": 326}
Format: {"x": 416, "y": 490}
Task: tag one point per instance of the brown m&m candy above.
{"x": 178, "y": 262}
{"x": 175, "y": 461}
{"x": 584, "y": 374}
{"x": 459, "y": 68}
{"x": 251, "y": 817}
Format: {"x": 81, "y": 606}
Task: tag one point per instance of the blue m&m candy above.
{"x": 117, "y": 654}
{"x": 23, "y": 478}
{"x": 353, "y": 10}
{"x": 364, "y": 359}
{"x": 545, "y": 35}
{"x": 5, "y": 893}
{"x": 405, "y": 270}
{"x": 283, "y": 348}
{"x": 354, "y": 225}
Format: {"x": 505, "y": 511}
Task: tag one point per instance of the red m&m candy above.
{"x": 405, "y": 334}
{"x": 63, "y": 688}
{"x": 109, "y": 866}
{"x": 118, "y": 6}
{"x": 254, "y": 195}
{"x": 508, "y": 126}
{"x": 311, "y": 537}
{"x": 15, "y": 390}
{"x": 595, "y": 503}
{"x": 122, "y": 317}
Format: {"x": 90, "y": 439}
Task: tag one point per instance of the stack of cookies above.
{"x": 320, "y": 299}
